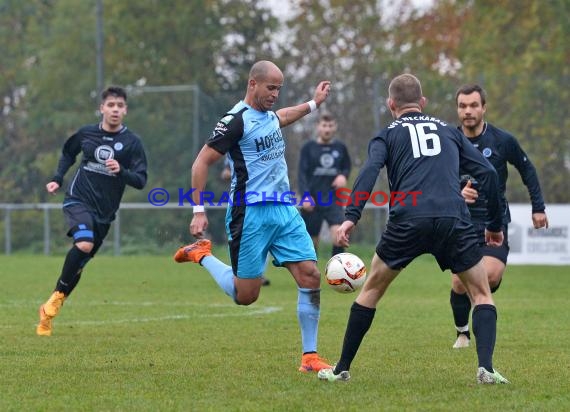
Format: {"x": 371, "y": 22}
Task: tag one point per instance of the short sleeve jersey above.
{"x": 255, "y": 147}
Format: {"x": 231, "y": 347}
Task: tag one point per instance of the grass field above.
{"x": 146, "y": 334}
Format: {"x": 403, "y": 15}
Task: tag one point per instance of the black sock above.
{"x": 74, "y": 281}
{"x": 485, "y": 331}
{"x": 71, "y": 271}
{"x": 336, "y": 250}
{"x": 359, "y": 322}
{"x": 460, "y": 306}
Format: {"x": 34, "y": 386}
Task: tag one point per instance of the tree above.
{"x": 49, "y": 75}
{"x": 49, "y": 79}
{"x": 522, "y": 58}
{"x": 18, "y": 23}
{"x": 361, "y": 45}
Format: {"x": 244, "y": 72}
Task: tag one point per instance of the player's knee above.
{"x": 309, "y": 280}
{"x": 85, "y": 247}
{"x": 247, "y": 291}
{"x": 457, "y": 286}
{"x": 494, "y": 280}
{"x": 495, "y": 285}
{"x": 245, "y": 300}
{"x": 314, "y": 278}
{"x": 306, "y": 274}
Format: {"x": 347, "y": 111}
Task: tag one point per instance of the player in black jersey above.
{"x": 500, "y": 148}
{"x": 324, "y": 166}
{"x": 112, "y": 157}
{"x": 423, "y": 156}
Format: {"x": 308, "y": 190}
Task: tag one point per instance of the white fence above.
{"x": 52, "y": 217}
{"x": 46, "y": 208}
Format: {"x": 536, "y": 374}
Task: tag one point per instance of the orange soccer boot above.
{"x": 48, "y": 311}
{"x": 194, "y": 252}
{"x": 312, "y": 362}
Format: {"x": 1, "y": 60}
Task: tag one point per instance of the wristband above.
{"x": 312, "y": 105}
{"x": 198, "y": 209}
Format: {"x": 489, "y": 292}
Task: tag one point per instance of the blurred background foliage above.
{"x": 185, "y": 63}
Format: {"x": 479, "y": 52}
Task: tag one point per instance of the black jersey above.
{"x": 500, "y": 148}
{"x": 423, "y": 156}
{"x": 92, "y": 185}
{"x": 320, "y": 164}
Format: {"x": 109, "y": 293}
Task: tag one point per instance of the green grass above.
{"x": 146, "y": 334}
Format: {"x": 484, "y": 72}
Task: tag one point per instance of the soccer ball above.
{"x": 345, "y": 272}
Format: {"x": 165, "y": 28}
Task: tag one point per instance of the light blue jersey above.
{"x": 256, "y": 151}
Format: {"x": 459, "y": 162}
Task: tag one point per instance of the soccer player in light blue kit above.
{"x": 261, "y": 217}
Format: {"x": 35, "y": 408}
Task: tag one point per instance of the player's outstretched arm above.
{"x": 200, "y": 167}
{"x": 291, "y": 114}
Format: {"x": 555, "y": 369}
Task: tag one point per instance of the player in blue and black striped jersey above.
{"x": 427, "y": 214}
{"x": 112, "y": 157}
{"x": 261, "y": 216}
{"x": 500, "y": 148}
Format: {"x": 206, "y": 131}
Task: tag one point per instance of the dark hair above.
{"x": 472, "y": 88}
{"x": 326, "y": 117}
{"x": 115, "y": 91}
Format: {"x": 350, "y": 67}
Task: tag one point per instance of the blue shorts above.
{"x": 255, "y": 230}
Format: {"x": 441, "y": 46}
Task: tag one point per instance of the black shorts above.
{"x": 83, "y": 227}
{"x": 452, "y": 241}
{"x": 333, "y": 215}
{"x": 501, "y": 252}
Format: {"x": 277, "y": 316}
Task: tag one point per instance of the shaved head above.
{"x": 263, "y": 69}
{"x": 263, "y": 86}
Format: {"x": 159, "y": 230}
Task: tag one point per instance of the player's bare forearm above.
{"x": 291, "y": 114}
{"x": 199, "y": 222}
{"x": 199, "y": 178}
{"x": 205, "y": 158}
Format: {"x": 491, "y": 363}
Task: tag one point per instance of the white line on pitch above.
{"x": 260, "y": 311}
{"x": 24, "y": 303}
{"x": 245, "y": 312}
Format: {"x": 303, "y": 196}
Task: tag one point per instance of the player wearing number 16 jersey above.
{"x": 422, "y": 154}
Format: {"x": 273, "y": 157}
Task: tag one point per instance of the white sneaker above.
{"x": 489, "y": 378}
{"x": 328, "y": 375}
{"x": 461, "y": 342}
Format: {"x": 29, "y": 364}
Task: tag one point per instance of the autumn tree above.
{"x": 518, "y": 50}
